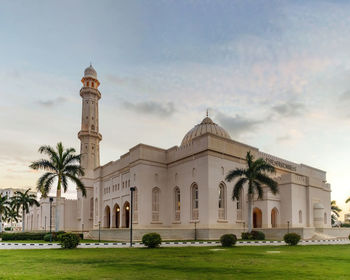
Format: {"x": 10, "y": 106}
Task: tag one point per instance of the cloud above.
{"x": 237, "y": 125}
{"x": 52, "y": 102}
{"x": 289, "y": 109}
{"x": 283, "y": 138}
{"x": 345, "y": 96}
{"x": 151, "y": 108}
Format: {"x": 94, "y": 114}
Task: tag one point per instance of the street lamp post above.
{"x": 195, "y": 230}
{"x": 288, "y": 227}
{"x": 132, "y": 189}
{"x": 99, "y": 231}
{"x": 51, "y": 199}
{"x": 45, "y": 223}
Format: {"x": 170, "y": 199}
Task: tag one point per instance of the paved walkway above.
{"x": 4, "y": 245}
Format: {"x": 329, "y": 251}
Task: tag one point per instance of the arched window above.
{"x": 325, "y": 218}
{"x": 194, "y": 202}
{"x": 222, "y": 202}
{"x": 274, "y": 216}
{"x": 91, "y": 208}
{"x": 155, "y": 204}
{"x": 96, "y": 207}
{"x": 177, "y": 203}
{"x": 93, "y": 84}
{"x": 300, "y": 217}
{"x": 135, "y": 206}
{"x": 88, "y": 84}
{"x": 107, "y": 217}
{"x": 257, "y": 218}
{"x": 239, "y": 205}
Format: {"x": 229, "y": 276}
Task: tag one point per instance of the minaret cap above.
{"x": 90, "y": 72}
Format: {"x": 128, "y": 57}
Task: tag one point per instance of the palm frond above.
{"x": 259, "y": 189}
{"x": 234, "y": 174}
{"x": 266, "y": 180}
{"x": 78, "y": 183}
{"x": 43, "y": 164}
{"x": 238, "y": 187}
{"x": 74, "y": 170}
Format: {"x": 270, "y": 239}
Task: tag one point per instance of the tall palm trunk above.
{"x": 23, "y": 218}
{"x": 58, "y": 198}
{"x": 0, "y": 222}
{"x": 250, "y": 212}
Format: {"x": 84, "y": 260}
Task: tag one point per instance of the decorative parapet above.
{"x": 278, "y": 162}
{"x": 291, "y": 178}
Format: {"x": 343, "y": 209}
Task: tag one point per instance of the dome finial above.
{"x": 207, "y": 112}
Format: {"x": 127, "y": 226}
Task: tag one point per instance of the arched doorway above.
{"x": 274, "y": 214}
{"x": 116, "y": 216}
{"x": 107, "y": 217}
{"x": 126, "y": 214}
{"x": 257, "y": 218}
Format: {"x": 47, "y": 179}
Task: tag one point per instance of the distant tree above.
{"x": 335, "y": 212}
{"x": 23, "y": 200}
{"x": 12, "y": 215}
{"x": 4, "y": 208}
{"x": 255, "y": 176}
{"x": 62, "y": 166}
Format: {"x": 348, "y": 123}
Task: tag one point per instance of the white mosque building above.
{"x": 183, "y": 187}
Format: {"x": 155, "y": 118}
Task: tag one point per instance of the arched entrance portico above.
{"x": 257, "y": 218}
{"x": 116, "y": 216}
{"x": 274, "y": 216}
{"x": 126, "y": 215}
{"x": 107, "y": 217}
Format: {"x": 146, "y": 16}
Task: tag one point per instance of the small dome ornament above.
{"x": 90, "y": 72}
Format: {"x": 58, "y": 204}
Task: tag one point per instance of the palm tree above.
{"x": 4, "y": 208}
{"x": 62, "y": 166}
{"x": 335, "y": 210}
{"x": 255, "y": 177}
{"x": 12, "y": 215}
{"x": 23, "y": 200}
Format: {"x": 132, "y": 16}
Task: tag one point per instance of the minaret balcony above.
{"x": 83, "y": 133}
{"x": 90, "y": 90}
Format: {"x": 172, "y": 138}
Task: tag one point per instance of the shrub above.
{"x": 151, "y": 240}
{"x": 292, "y": 238}
{"x": 47, "y": 237}
{"x": 23, "y": 236}
{"x": 345, "y": 225}
{"x": 8, "y": 228}
{"x": 348, "y": 236}
{"x": 257, "y": 235}
{"x": 228, "y": 240}
{"x": 69, "y": 240}
{"x": 246, "y": 235}
{"x": 253, "y": 235}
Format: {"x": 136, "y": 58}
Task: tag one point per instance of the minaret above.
{"x": 89, "y": 143}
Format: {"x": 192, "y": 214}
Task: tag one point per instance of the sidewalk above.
{"x": 4, "y": 245}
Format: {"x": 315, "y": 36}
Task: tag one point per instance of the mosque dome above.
{"x": 206, "y": 126}
{"x": 90, "y": 72}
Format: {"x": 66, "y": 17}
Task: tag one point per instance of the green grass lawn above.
{"x": 301, "y": 262}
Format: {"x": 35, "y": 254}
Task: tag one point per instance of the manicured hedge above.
{"x": 23, "y": 236}
{"x": 292, "y": 238}
{"x": 69, "y": 240}
{"x": 228, "y": 240}
{"x": 253, "y": 235}
{"x": 151, "y": 240}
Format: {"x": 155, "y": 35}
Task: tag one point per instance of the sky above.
{"x": 274, "y": 74}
